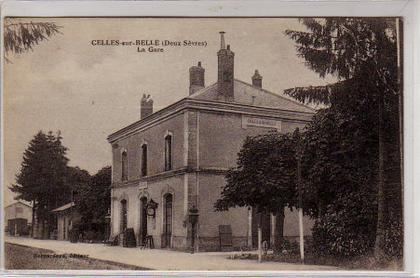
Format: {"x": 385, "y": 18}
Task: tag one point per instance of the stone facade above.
{"x": 201, "y": 135}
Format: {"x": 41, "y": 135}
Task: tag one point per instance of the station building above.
{"x": 176, "y": 159}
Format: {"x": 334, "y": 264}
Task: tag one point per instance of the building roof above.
{"x": 247, "y": 99}
{"x": 20, "y": 201}
{"x": 245, "y": 93}
{"x": 65, "y": 207}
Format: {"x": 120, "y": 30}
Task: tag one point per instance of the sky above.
{"x": 88, "y": 91}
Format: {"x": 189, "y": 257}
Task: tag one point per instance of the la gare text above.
{"x": 149, "y": 45}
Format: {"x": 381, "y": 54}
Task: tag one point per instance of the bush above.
{"x": 347, "y": 228}
{"x": 394, "y": 239}
{"x": 89, "y": 235}
{"x": 287, "y": 247}
{"x": 74, "y": 235}
{"x": 26, "y": 230}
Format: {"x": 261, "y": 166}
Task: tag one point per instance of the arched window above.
{"x": 144, "y": 160}
{"x": 124, "y": 166}
{"x": 168, "y": 152}
{"x": 123, "y": 224}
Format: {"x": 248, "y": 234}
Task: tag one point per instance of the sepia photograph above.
{"x": 203, "y": 143}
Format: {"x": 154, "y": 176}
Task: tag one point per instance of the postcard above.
{"x": 203, "y": 143}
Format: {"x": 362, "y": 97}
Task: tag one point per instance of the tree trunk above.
{"x": 380, "y": 224}
{"x": 278, "y": 230}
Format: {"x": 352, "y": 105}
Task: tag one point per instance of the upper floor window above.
{"x": 124, "y": 166}
{"x": 168, "y": 152}
{"x": 144, "y": 160}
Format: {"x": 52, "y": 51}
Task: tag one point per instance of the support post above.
{"x": 259, "y": 237}
{"x": 301, "y": 240}
{"x": 300, "y": 210}
{"x": 249, "y": 228}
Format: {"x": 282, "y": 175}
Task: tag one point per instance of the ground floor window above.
{"x": 167, "y": 220}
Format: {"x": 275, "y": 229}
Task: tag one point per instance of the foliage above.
{"x": 347, "y": 47}
{"x": 289, "y": 247}
{"x": 94, "y": 197}
{"x": 340, "y": 157}
{"x": 43, "y": 175}
{"x": 22, "y": 36}
{"x": 349, "y": 143}
{"x": 74, "y": 235}
{"x": 265, "y": 176}
{"x": 347, "y": 227}
{"x": 394, "y": 239}
{"x": 77, "y": 179}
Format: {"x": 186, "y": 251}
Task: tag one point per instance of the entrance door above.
{"x": 168, "y": 221}
{"x": 143, "y": 219}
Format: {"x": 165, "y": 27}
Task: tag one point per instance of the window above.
{"x": 168, "y": 152}
{"x": 123, "y": 224}
{"x": 167, "y": 220}
{"x": 124, "y": 166}
{"x": 144, "y": 160}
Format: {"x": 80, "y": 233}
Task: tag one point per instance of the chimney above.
{"x": 196, "y": 78}
{"x": 225, "y": 71}
{"x": 146, "y": 106}
{"x": 257, "y": 79}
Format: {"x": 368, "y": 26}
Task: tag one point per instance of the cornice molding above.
{"x": 210, "y": 106}
{"x": 169, "y": 174}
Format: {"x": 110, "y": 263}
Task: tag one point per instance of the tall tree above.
{"x": 362, "y": 54}
{"x": 43, "y": 177}
{"x": 264, "y": 178}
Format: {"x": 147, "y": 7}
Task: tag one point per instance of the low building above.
{"x": 18, "y": 218}
{"x": 175, "y": 160}
{"x": 67, "y": 217}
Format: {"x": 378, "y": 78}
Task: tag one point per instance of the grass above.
{"x": 24, "y": 257}
{"x": 355, "y": 263}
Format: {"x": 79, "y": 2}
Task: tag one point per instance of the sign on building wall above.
{"x": 260, "y": 122}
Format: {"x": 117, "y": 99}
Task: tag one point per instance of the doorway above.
{"x": 143, "y": 220}
{"x": 123, "y": 223}
{"x": 167, "y": 221}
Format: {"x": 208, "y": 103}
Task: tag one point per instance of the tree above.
{"x": 362, "y": 54}
{"x": 20, "y": 37}
{"x": 77, "y": 179}
{"x": 42, "y": 178}
{"x": 94, "y": 198}
{"x": 340, "y": 181}
{"x": 264, "y": 178}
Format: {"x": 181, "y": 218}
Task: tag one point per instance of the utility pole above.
{"x": 300, "y": 201}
